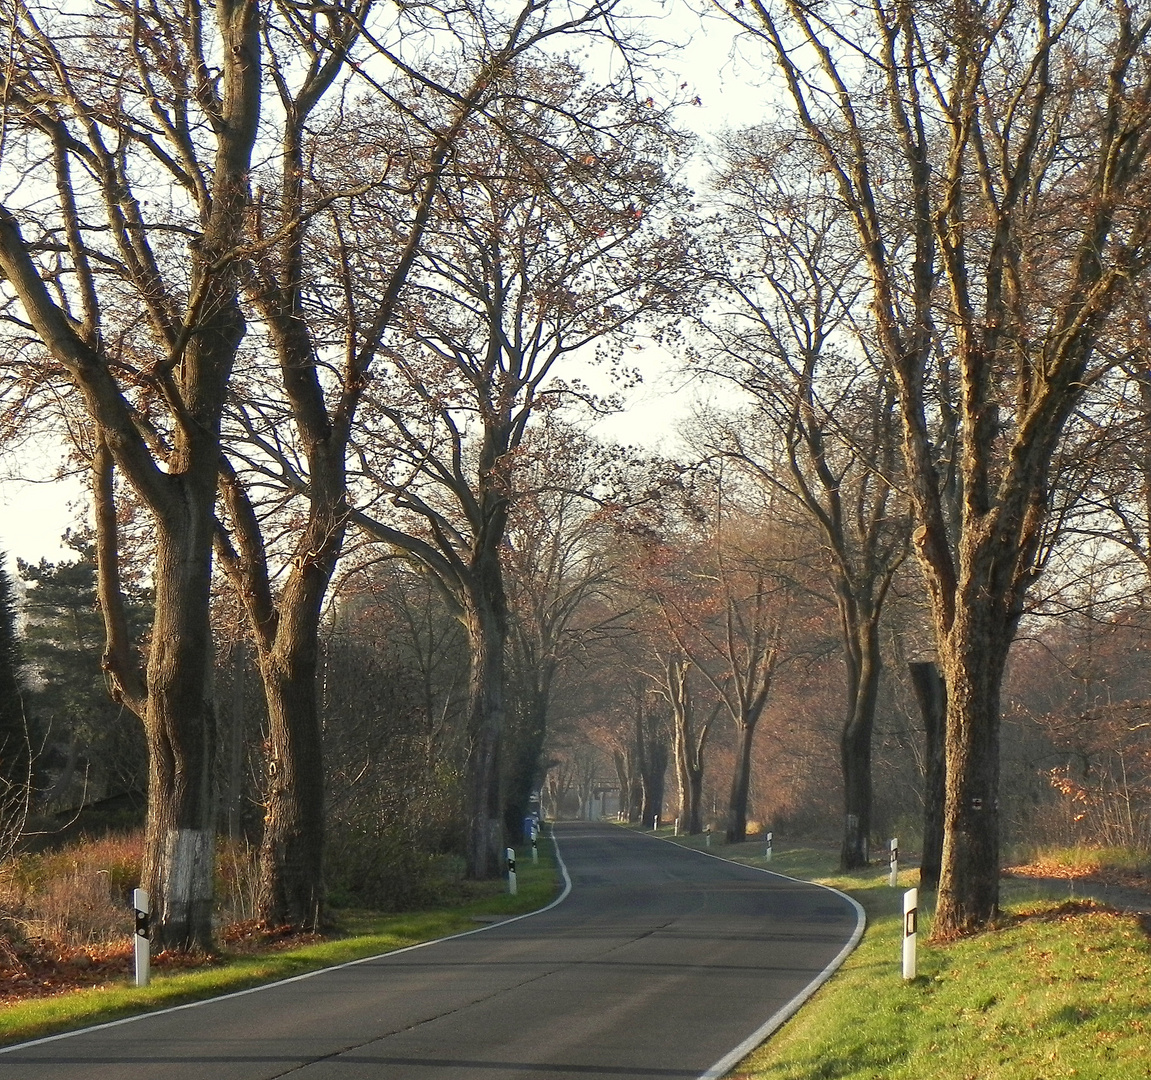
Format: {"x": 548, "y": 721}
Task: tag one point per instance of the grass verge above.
{"x": 1060, "y": 990}
{"x": 358, "y": 934}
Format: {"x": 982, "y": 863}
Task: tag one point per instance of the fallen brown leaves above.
{"x": 35, "y": 969}
{"x": 1127, "y": 879}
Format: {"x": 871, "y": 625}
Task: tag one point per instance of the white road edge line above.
{"x": 779, "y": 1018}
{"x": 308, "y": 974}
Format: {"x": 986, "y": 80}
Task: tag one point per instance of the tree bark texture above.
{"x": 740, "y": 785}
{"x": 973, "y": 667}
{"x": 485, "y": 621}
{"x": 286, "y": 633}
{"x": 180, "y": 726}
{"x": 931, "y": 694}
{"x": 855, "y": 743}
{"x": 291, "y": 887}
{"x": 688, "y": 747}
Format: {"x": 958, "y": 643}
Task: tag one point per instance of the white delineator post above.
{"x": 910, "y": 929}
{"x": 512, "y": 871}
{"x": 143, "y": 909}
{"x": 767, "y": 854}
{"x": 707, "y": 837}
{"x": 893, "y": 880}
{"x": 535, "y": 846}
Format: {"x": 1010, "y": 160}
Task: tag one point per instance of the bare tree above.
{"x": 725, "y": 604}
{"x": 993, "y": 160}
{"x": 787, "y": 329}
{"x": 129, "y": 135}
{"x": 393, "y": 157}
{"x": 561, "y": 581}
{"x": 548, "y": 241}
{"x": 689, "y": 741}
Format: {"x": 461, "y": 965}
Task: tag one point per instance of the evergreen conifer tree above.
{"x": 15, "y": 749}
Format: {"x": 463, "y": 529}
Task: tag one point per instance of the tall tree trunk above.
{"x": 695, "y": 818}
{"x": 484, "y": 840}
{"x": 740, "y": 785}
{"x": 677, "y": 689}
{"x": 654, "y": 774}
{"x": 237, "y": 742}
{"x": 180, "y": 727}
{"x": 973, "y": 658}
{"x": 683, "y": 779}
{"x": 291, "y": 889}
{"x": 286, "y": 632}
{"x": 688, "y": 749}
{"x": 623, "y": 776}
{"x": 931, "y": 693}
{"x": 855, "y": 746}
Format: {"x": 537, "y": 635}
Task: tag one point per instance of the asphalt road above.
{"x": 659, "y": 963}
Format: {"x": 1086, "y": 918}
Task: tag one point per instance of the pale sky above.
{"x": 33, "y": 516}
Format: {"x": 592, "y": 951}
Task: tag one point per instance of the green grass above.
{"x": 1086, "y": 858}
{"x": 1059, "y": 991}
{"x": 360, "y": 934}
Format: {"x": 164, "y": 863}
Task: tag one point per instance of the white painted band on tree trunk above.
{"x": 189, "y": 855}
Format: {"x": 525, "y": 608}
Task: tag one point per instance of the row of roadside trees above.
{"x": 282, "y": 273}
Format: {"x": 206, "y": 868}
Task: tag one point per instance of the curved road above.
{"x": 661, "y": 962}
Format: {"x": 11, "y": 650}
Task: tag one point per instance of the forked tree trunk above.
{"x": 931, "y": 695}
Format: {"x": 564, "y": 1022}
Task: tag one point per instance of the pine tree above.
{"x": 93, "y": 748}
{"x": 15, "y": 749}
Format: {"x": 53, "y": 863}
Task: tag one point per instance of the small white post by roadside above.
{"x": 512, "y": 871}
{"x": 893, "y": 880}
{"x": 910, "y": 929}
{"x": 707, "y": 837}
{"x": 143, "y": 909}
{"x": 767, "y": 854}
{"x": 535, "y": 845}
{"x": 655, "y": 823}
